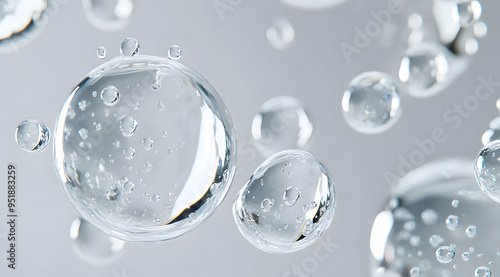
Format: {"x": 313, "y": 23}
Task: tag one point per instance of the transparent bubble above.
{"x": 455, "y": 203}
{"x": 282, "y": 123}
{"x": 108, "y": 15}
{"x": 415, "y": 272}
{"x": 285, "y": 226}
{"x": 101, "y": 52}
{"x": 471, "y": 231}
{"x": 32, "y": 135}
{"x": 429, "y": 216}
{"x": 452, "y": 222}
{"x": 466, "y": 256}
{"x": 313, "y": 4}
{"x": 190, "y": 169}
{"x": 280, "y": 34}
{"x": 130, "y": 47}
{"x": 423, "y": 68}
{"x": 482, "y": 271}
{"x": 468, "y": 12}
{"x": 487, "y": 170}
{"x": 393, "y": 253}
{"x": 371, "y": 104}
{"x": 93, "y": 245}
{"x": 493, "y": 133}
{"x": 445, "y": 254}
{"x": 110, "y": 95}
{"x": 21, "y": 21}
{"x": 174, "y": 52}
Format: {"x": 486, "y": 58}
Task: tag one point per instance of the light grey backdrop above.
{"x": 235, "y": 56}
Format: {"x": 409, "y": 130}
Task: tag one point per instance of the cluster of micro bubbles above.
{"x": 32, "y": 135}
{"x": 428, "y": 229}
{"x": 287, "y": 204}
{"x": 428, "y": 66}
{"x": 282, "y": 123}
{"x": 144, "y": 146}
{"x": 371, "y": 103}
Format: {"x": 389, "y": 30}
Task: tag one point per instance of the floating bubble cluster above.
{"x": 144, "y": 147}
{"x": 454, "y": 241}
{"x": 32, "y": 135}
{"x": 282, "y": 123}
{"x": 287, "y": 204}
{"x": 371, "y": 104}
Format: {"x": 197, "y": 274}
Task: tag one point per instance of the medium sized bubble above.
{"x": 101, "y": 52}
{"x": 280, "y": 34}
{"x": 471, "y": 231}
{"x": 482, "y": 271}
{"x": 32, "y": 135}
{"x": 415, "y": 271}
{"x": 271, "y": 216}
{"x": 487, "y": 170}
{"x": 371, "y": 104}
{"x": 174, "y": 52}
{"x": 128, "y": 126}
{"x": 466, "y": 256}
{"x": 129, "y": 153}
{"x": 130, "y": 47}
{"x": 110, "y": 96}
{"x": 445, "y": 254}
{"x": 452, "y": 222}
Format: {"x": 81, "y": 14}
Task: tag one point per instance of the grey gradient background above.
{"x": 235, "y": 56}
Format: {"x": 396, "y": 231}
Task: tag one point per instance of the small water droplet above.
{"x": 267, "y": 204}
{"x": 130, "y": 47}
{"x": 436, "y": 240}
{"x": 84, "y": 133}
{"x": 455, "y": 203}
{"x": 280, "y": 34}
{"x": 445, "y": 254}
{"x": 291, "y": 196}
{"x": 415, "y": 271}
{"x": 129, "y": 153}
{"x": 482, "y": 271}
{"x": 429, "y": 216}
{"x": 101, "y": 52}
{"x": 110, "y": 95}
{"x": 452, "y": 222}
{"x": 32, "y": 135}
{"x": 147, "y": 143}
{"x": 471, "y": 231}
{"x": 174, "y": 52}
{"x": 155, "y": 198}
{"x": 128, "y": 126}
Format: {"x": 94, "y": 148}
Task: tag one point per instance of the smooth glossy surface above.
{"x": 371, "y": 103}
{"x": 287, "y": 204}
{"x": 32, "y": 135}
{"x": 145, "y": 174}
{"x": 487, "y": 170}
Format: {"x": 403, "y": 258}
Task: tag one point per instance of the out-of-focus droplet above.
{"x": 480, "y": 29}
{"x": 452, "y": 222}
{"x": 466, "y": 256}
{"x": 101, "y": 52}
{"x": 487, "y": 170}
{"x": 435, "y": 240}
{"x": 130, "y": 47}
{"x": 482, "y": 271}
{"x": 471, "y": 231}
{"x": 424, "y": 67}
{"x": 415, "y": 271}
{"x": 108, "y": 15}
{"x": 174, "y": 52}
{"x": 93, "y": 245}
{"x": 282, "y": 123}
{"x": 280, "y": 34}
{"x": 32, "y": 135}
{"x": 269, "y": 209}
{"x": 468, "y": 12}
{"x": 493, "y": 133}
{"x": 429, "y": 216}
{"x": 455, "y": 203}
{"x": 371, "y": 104}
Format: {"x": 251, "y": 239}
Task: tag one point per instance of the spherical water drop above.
{"x": 469, "y": 12}
{"x": 415, "y": 272}
{"x": 110, "y": 96}
{"x": 147, "y": 143}
{"x": 282, "y": 123}
{"x": 445, "y": 254}
{"x": 287, "y": 228}
{"x": 455, "y": 203}
{"x": 108, "y": 15}
{"x": 423, "y": 68}
{"x": 130, "y": 47}
{"x": 101, "y": 52}
{"x": 93, "y": 245}
{"x": 128, "y": 126}
{"x": 280, "y": 34}
{"x": 482, "y": 271}
{"x": 174, "y": 52}
{"x": 493, "y": 133}
{"x": 32, "y": 135}
{"x": 200, "y": 133}
{"x": 452, "y": 222}
{"x": 129, "y": 153}
{"x": 371, "y": 104}
{"x": 487, "y": 170}
{"x": 267, "y": 204}
{"x": 436, "y": 240}
{"x": 471, "y": 231}
{"x": 429, "y": 216}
